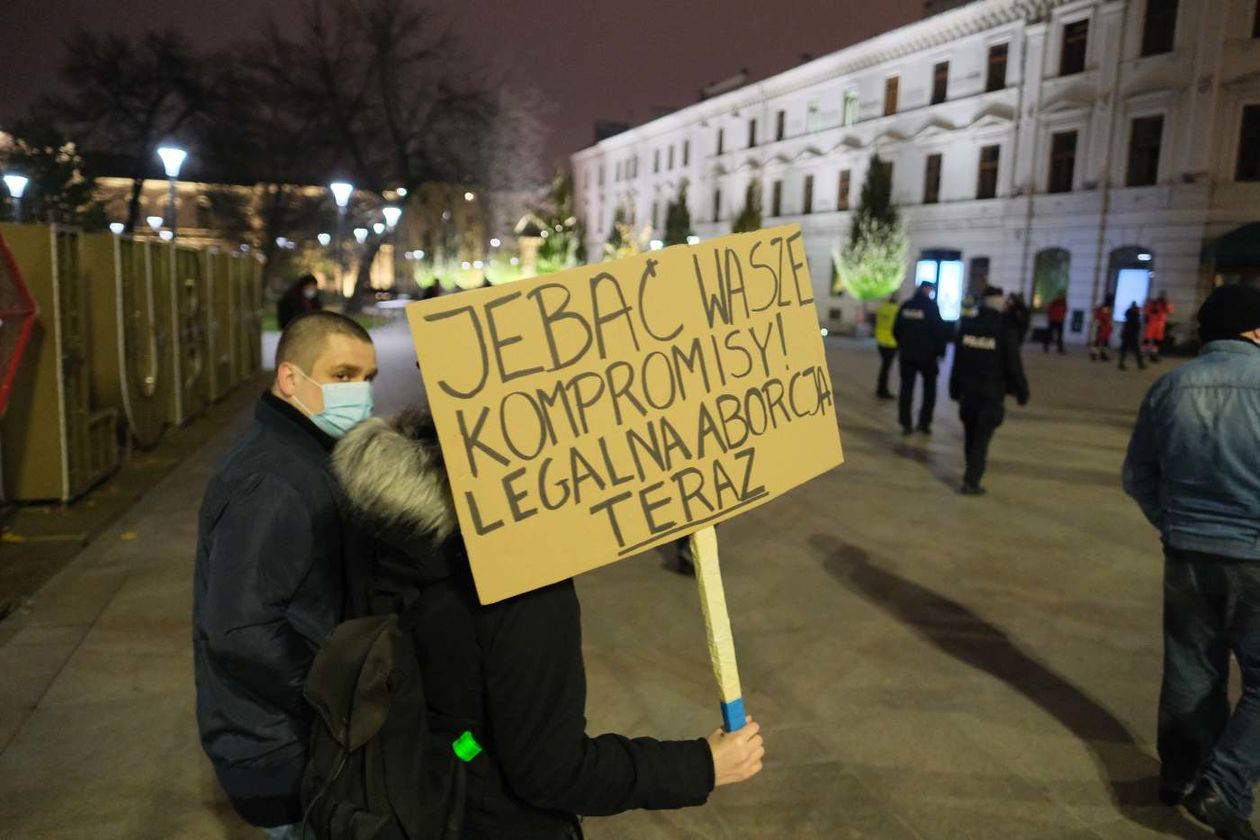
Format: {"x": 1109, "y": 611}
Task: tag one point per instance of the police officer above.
{"x": 987, "y": 367}
{"x": 920, "y": 335}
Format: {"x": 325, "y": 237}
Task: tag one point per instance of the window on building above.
{"x": 717, "y": 205}
{"x": 752, "y": 133}
{"x": 811, "y": 117}
{"x": 986, "y": 181}
{"x": 1160, "y": 27}
{"x": 776, "y": 199}
{"x": 670, "y": 165}
{"x": 655, "y": 221}
{"x": 850, "y": 115}
{"x": 780, "y": 125}
{"x": 891, "y": 86}
{"x": 656, "y": 161}
{"x": 940, "y": 82}
{"x": 1145, "y": 135}
{"x": 721, "y": 140}
{"x": 601, "y": 174}
{"x": 932, "y": 179}
{"x": 842, "y": 196}
{"x": 686, "y": 153}
{"x": 1249, "y": 145}
{"x": 1072, "y": 52}
{"x": 978, "y": 276}
{"x": 1062, "y": 161}
{"x": 809, "y": 195}
{"x": 1255, "y": 22}
{"x": 996, "y": 78}
{"x": 634, "y": 167}
{"x": 617, "y": 173}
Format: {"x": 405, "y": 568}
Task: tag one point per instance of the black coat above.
{"x": 511, "y": 672}
{"x": 921, "y": 334}
{"x": 986, "y": 361}
{"x": 267, "y": 591}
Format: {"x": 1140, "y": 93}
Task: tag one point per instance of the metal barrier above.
{"x": 56, "y": 443}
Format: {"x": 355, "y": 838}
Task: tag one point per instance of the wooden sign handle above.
{"x": 717, "y": 623}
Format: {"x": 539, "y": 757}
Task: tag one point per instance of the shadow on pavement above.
{"x": 954, "y": 629}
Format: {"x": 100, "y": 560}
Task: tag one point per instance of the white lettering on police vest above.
{"x": 979, "y": 342}
{"x": 914, "y": 314}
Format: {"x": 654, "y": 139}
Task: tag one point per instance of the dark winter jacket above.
{"x": 1193, "y": 463}
{"x": 986, "y": 360}
{"x": 1131, "y": 331}
{"x": 511, "y": 672}
{"x": 292, "y": 304}
{"x": 267, "y": 591}
{"x": 921, "y": 334}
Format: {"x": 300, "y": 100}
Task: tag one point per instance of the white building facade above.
{"x": 1093, "y": 147}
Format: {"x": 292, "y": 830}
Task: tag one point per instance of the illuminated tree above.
{"x": 872, "y": 266}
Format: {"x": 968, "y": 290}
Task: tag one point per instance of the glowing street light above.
{"x": 420, "y": 255}
{"x": 656, "y": 245}
{"x": 117, "y": 228}
{"x": 16, "y": 184}
{"x": 166, "y": 235}
{"x": 325, "y": 239}
{"x": 360, "y": 235}
{"x": 469, "y": 196}
{"x": 495, "y": 242}
{"x": 391, "y": 214}
{"x": 401, "y": 192}
{"x": 693, "y": 240}
{"x": 378, "y": 228}
{"x": 155, "y": 222}
{"x": 172, "y": 159}
{"x": 341, "y": 191}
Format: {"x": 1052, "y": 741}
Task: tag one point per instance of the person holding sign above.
{"x": 509, "y": 673}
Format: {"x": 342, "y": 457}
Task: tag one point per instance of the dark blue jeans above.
{"x": 1211, "y": 609}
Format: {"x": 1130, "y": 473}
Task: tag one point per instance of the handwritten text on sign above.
{"x": 589, "y": 415}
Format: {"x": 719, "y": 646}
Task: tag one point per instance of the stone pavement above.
{"x": 925, "y": 665}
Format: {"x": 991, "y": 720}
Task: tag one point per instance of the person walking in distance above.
{"x": 1130, "y": 336}
{"x": 987, "y": 367}
{"x": 1056, "y": 316}
{"x": 300, "y": 298}
{"x": 1193, "y": 466}
{"x": 885, "y": 318}
{"x": 1156, "y": 313}
{"x": 271, "y": 550}
{"x": 1100, "y": 344}
{"x": 1019, "y": 316}
{"x": 920, "y": 335}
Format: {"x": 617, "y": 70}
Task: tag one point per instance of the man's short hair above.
{"x": 305, "y": 335}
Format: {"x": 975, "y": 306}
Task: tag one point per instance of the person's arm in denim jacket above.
{"x": 1141, "y": 465}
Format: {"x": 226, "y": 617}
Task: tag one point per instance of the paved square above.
{"x": 925, "y": 665}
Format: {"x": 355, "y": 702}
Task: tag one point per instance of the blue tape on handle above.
{"x": 733, "y": 715}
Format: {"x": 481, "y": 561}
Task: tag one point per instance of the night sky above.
{"x": 590, "y": 60}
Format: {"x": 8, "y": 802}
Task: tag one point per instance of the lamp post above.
{"x": 155, "y": 222}
{"x": 16, "y": 185}
{"x": 172, "y": 159}
{"x": 341, "y": 192}
{"x": 392, "y": 214}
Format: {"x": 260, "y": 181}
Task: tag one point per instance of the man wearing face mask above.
{"x": 1193, "y": 467}
{"x": 270, "y": 548}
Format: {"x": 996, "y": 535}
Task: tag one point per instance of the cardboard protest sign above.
{"x": 593, "y": 414}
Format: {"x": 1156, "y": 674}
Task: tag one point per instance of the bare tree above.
{"x": 127, "y": 96}
{"x": 399, "y": 102}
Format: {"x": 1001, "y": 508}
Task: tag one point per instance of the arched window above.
{"x": 1052, "y": 273}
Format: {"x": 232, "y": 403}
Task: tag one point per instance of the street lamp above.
{"x": 166, "y": 235}
{"x": 360, "y": 235}
{"x": 172, "y": 159}
{"x": 155, "y": 222}
{"x": 325, "y": 239}
{"x": 117, "y": 228}
{"x": 16, "y": 185}
{"x": 341, "y": 191}
{"x": 391, "y": 214}
{"x": 378, "y": 228}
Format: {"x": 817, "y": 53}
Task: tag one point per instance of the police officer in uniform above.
{"x": 920, "y": 335}
{"x": 987, "y": 367}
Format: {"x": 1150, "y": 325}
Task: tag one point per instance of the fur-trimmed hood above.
{"x": 393, "y": 475}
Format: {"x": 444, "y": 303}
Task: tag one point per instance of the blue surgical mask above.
{"x": 346, "y": 405}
